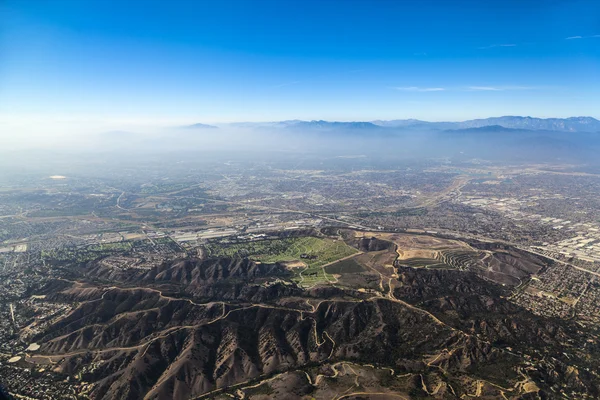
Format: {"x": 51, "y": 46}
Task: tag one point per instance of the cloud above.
{"x": 420, "y": 89}
{"x": 498, "y": 88}
{"x": 582, "y": 37}
{"x": 497, "y": 45}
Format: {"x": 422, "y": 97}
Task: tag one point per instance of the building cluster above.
{"x": 585, "y": 246}
{"x": 581, "y": 239}
{"x": 37, "y": 383}
{"x": 564, "y": 292}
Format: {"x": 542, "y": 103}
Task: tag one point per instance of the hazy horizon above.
{"x": 72, "y": 68}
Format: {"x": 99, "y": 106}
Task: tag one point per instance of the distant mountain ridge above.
{"x": 487, "y": 128}
{"x": 331, "y": 125}
{"x": 572, "y": 124}
{"x": 313, "y": 125}
{"x": 200, "y": 126}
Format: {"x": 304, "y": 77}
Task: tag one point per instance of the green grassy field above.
{"x": 320, "y": 252}
{"x": 348, "y": 266}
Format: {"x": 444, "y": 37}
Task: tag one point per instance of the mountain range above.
{"x": 572, "y": 124}
{"x": 575, "y": 139}
{"x": 199, "y": 126}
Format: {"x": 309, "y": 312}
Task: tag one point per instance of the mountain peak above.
{"x": 200, "y": 126}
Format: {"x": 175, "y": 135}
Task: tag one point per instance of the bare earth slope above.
{"x": 204, "y": 328}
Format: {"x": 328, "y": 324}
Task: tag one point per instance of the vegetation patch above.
{"x": 312, "y": 251}
{"x": 348, "y": 266}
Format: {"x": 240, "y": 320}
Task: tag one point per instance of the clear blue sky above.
{"x": 211, "y": 61}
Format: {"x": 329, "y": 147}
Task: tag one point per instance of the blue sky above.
{"x": 166, "y": 62}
